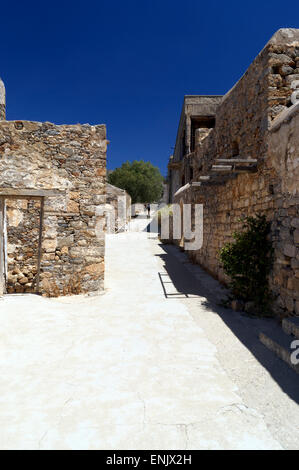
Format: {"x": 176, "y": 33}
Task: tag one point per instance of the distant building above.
{"x": 197, "y": 118}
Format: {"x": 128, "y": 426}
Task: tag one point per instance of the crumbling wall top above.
{"x": 287, "y": 36}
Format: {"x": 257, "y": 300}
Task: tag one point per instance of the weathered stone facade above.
{"x": 283, "y": 161}
{"x": 70, "y": 159}
{"x": 197, "y": 118}
{"x": 248, "y": 164}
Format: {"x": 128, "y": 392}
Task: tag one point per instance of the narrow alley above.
{"x": 152, "y": 363}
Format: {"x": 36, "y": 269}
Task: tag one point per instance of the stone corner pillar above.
{"x": 2, "y": 101}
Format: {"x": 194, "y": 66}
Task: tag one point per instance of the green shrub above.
{"x": 248, "y": 261}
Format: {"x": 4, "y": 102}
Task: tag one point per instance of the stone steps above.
{"x": 280, "y": 343}
{"x": 291, "y": 326}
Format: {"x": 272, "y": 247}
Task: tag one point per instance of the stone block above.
{"x": 289, "y": 250}
{"x": 49, "y": 245}
{"x": 291, "y": 78}
{"x": 280, "y": 59}
{"x": 95, "y": 269}
{"x": 286, "y": 70}
{"x": 100, "y": 172}
{"x": 65, "y": 241}
{"x": 73, "y": 206}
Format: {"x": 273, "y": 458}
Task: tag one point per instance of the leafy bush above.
{"x": 248, "y": 261}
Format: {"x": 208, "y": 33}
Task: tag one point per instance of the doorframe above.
{"x": 9, "y": 193}
{"x": 2, "y": 248}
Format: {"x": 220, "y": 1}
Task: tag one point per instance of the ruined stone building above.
{"x": 197, "y": 118}
{"x": 52, "y": 178}
{"x": 239, "y": 155}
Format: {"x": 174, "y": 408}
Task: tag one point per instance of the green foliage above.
{"x": 248, "y": 261}
{"x": 140, "y": 179}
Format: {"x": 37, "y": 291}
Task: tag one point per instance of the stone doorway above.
{"x": 22, "y": 235}
{"x": 21, "y": 230}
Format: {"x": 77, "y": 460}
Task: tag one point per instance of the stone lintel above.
{"x": 29, "y": 193}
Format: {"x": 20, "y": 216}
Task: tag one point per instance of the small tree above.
{"x": 248, "y": 261}
{"x": 140, "y": 179}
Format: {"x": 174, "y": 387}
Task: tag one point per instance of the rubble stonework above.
{"x": 197, "y": 116}
{"x": 72, "y": 160}
{"x": 255, "y": 121}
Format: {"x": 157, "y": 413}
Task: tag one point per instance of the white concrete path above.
{"x": 130, "y": 369}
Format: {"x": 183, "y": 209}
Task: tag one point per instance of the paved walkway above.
{"x": 131, "y": 369}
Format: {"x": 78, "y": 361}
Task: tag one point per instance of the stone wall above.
{"x": 198, "y": 110}
{"x": 72, "y": 160}
{"x": 248, "y": 125}
{"x": 247, "y": 110}
{"x": 22, "y": 217}
{"x": 193, "y": 106}
{"x": 120, "y": 203}
{"x": 283, "y": 158}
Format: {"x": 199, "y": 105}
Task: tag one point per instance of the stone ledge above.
{"x": 291, "y": 326}
{"x": 284, "y": 117}
{"x": 280, "y": 344}
{"x": 30, "y": 193}
{"x": 192, "y": 185}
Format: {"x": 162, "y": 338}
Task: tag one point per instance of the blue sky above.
{"x": 128, "y": 64}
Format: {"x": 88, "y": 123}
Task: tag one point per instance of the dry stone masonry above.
{"x": 248, "y": 163}
{"x": 71, "y": 160}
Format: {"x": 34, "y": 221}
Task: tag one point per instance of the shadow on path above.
{"x": 246, "y": 328}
